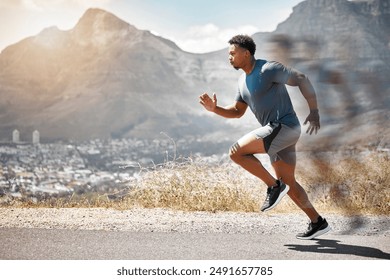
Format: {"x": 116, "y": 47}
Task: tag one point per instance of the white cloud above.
{"x": 89, "y": 3}
{"x": 210, "y": 37}
{"x": 200, "y": 31}
{"x": 31, "y": 5}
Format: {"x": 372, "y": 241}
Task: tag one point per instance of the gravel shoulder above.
{"x": 164, "y": 220}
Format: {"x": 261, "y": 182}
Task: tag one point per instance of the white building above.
{"x": 16, "y": 136}
{"x": 35, "y": 137}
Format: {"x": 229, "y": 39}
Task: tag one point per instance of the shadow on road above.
{"x": 336, "y": 247}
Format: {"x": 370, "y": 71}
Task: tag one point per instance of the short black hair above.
{"x": 244, "y": 41}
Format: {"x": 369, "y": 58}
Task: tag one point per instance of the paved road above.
{"x": 54, "y": 244}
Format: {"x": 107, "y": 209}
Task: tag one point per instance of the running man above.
{"x": 262, "y": 88}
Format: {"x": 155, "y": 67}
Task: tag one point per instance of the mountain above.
{"x": 104, "y": 78}
{"x": 344, "y": 48}
{"x": 357, "y": 30}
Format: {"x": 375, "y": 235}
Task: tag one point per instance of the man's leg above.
{"x": 242, "y": 153}
{"x": 297, "y": 193}
{"x": 318, "y": 225}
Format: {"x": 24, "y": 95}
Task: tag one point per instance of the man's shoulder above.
{"x": 261, "y": 62}
{"x": 272, "y": 68}
{"x": 272, "y": 64}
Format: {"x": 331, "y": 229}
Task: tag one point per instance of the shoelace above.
{"x": 309, "y": 227}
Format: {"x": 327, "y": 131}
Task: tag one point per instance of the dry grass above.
{"x": 195, "y": 186}
{"x": 335, "y": 182}
{"x": 349, "y": 183}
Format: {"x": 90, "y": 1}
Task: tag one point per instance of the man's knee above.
{"x": 234, "y": 152}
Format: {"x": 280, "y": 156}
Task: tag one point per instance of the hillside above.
{"x": 104, "y": 78}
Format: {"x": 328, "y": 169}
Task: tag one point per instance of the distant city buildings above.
{"x": 15, "y": 136}
{"x": 105, "y": 166}
{"x": 35, "y": 137}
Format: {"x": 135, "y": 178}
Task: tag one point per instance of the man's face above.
{"x": 237, "y": 56}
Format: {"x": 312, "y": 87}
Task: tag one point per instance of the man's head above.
{"x": 241, "y": 51}
{"x": 245, "y": 42}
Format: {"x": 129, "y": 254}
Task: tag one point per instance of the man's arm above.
{"x": 235, "y": 110}
{"x": 303, "y": 83}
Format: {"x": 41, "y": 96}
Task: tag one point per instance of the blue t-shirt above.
{"x": 264, "y": 91}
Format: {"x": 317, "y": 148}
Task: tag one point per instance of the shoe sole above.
{"x": 281, "y": 195}
{"x": 318, "y": 233}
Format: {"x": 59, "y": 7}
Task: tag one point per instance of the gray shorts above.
{"x": 279, "y": 141}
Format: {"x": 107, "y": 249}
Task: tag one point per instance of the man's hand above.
{"x": 314, "y": 120}
{"x": 208, "y": 103}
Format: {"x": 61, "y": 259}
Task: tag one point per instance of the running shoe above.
{"x": 315, "y": 229}
{"x": 274, "y": 195}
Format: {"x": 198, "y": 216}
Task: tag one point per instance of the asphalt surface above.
{"x": 66, "y": 244}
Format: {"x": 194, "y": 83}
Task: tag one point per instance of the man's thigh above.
{"x": 248, "y": 145}
{"x": 254, "y": 141}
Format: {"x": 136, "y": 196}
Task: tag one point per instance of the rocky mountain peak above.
{"x": 50, "y": 37}
{"x": 101, "y": 20}
{"x": 326, "y": 3}
{"x": 336, "y": 7}
{"x": 337, "y": 20}
{"x": 374, "y": 7}
{"x": 100, "y": 27}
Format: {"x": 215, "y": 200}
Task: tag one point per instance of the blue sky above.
{"x": 195, "y": 25}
